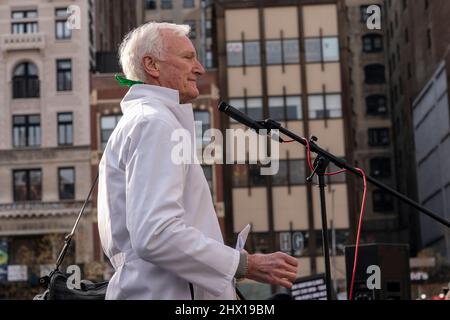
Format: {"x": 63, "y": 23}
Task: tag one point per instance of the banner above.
{"x": 3, "y": 261}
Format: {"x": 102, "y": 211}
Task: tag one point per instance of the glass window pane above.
{"x": 276, "y": 108}
{"x": 18, "y": 14}
{"x": 280, "y": 179}
{"x": 291, "y": 51}
{"x": 235, "y": 54}
{"x": 294, "y": 108}
{"x": 254, "y": 108}
{"x": 20, "y": 186}
{"x": 257, "y": 180}
{"x": 31, "y": 14}
{"x": 240, "y": 178}
{"x": 252, "y": 55}
{"x": 312, "y": 50}
{"x": 334, "y": 106}
{"x": 65, "y": 117}
{"x": 297, "y": 171}
{"x": 108, "y": 122}
{"x": 67, "y": 183}
{"x": 61, "y": 12}
{"x": 35, "y": 185}
{"x": 32, "y": 69}
{"x": 273, "y": 52}
{"x": 316, "y": 107}
{"x": 330, "y": 49}
{"x": 34, "y": 119}
{"x": 19, "y": 70}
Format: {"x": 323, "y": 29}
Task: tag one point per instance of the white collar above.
{"x": 168, "y": 97}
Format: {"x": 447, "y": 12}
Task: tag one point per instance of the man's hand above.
{"x": 275, "y": 268}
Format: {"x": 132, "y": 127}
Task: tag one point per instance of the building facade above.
{"x": 44, "y": 137}
{"x": 285, "y": 60}
{"x": 371, "y": 122}
{"x": 419, "y": 62}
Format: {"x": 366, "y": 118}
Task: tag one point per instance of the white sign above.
{"x": 17, "y": 273}
{"x": 298, "y": 241}
{"x": 285, "y": 241}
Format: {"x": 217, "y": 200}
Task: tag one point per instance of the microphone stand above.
{"x": 320, "y": 165}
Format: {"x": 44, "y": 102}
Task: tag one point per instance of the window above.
{"x": 65, "y": 128}
{"x": 150, "y": 4}
{"x": 188, "y": 3}
{"x": 379, "y": 137}
{"x": 26, "y": 131}
{"x": 380, "y": 167}
{"x": 372, "y": 43}
{"x": 202, "y": 125}
{"x": 282, "y": 109}
{"x": 376, "y": 105}
{"x": 250, "y": 106}
{"x": 62, "y": 30}
{"x": 166, "y": 4}
{"x": 27, "y": 185}
{"x": 282, "y": 51}
{"x": 107, "y": 125}
{"x": 25, "y": 81}
{"x": 208, "y": 31}
{"x": 208, "y": 171}
{"x": 192, "y": 24}
{"x": 322, "y": 49}
{"x": 325, "y": 107}
{"x": 66, "y": 177}
{"x": 382, "y": 201}
{"x": 291, "y": 172}
{"x": 209, "y": 63}
{"x": 364, "y": 14}
{"x": 374, "y": 74}
{"x": 22, "y": 22}
{"x": 64, "y": 75}
{"x": 248, "y": 175}
{"x": 240, "y": 53}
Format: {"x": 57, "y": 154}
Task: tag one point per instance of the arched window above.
{"x": 372, "y": 43}
{"x": 25, "y": 81}
{"x": 374, "y": 74}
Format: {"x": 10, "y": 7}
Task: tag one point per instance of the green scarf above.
{"x": 124, "y": 82}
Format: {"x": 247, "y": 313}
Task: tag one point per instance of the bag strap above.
{"x": 68, "y": 238}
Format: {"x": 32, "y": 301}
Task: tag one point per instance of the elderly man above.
{"x": 156, "y": 218}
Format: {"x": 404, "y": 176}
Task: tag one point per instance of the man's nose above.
{"x": 198, "y": 68}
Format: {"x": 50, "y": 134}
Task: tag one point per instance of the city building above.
{"x": 371, "y": 123}
{"x": 45, "y": 155}
{"x": 286, "y": 60}
{"x": 419, "y": 70}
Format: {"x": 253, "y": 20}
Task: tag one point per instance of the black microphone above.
{"x": 242, "y": 118}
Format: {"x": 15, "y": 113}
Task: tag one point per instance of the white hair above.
{"x": 145, "y": 39}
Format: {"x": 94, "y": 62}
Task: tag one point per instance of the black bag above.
{"x": 56, "y": 282}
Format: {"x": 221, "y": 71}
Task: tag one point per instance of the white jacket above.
{"x": 156, "y": 219}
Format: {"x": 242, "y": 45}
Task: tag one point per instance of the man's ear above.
{"x": 151, "y": 66}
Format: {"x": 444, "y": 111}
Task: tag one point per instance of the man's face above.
{"x": 180, "y": 68}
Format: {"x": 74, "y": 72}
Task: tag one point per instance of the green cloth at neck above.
{"x": 126, "y": 82}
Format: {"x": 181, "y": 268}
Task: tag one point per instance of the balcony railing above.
{"x": 25, "y": 41}
{"x": 37, "y": 208}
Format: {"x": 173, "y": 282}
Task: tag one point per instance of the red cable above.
{"x": 355, "y": 262}
{"x": 361, "y": 214}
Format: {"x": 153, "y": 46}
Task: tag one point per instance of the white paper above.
{"x": 242, "y": 238}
